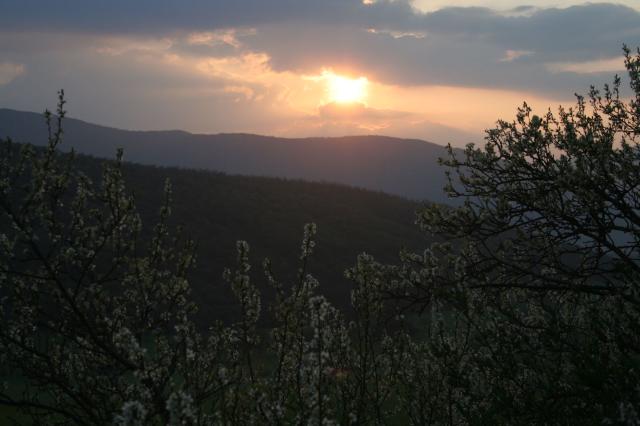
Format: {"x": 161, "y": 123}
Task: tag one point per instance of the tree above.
{"x": 530, "y": 309}
{"x": 96, "y": 319}
{"x": 541, "y": 270}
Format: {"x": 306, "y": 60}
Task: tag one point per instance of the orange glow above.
{"x": 345, "y": 90}
{"x": 285, "y": 103}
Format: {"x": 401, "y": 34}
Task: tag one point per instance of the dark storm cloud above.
{"x": 474, "y": 47}
{"x": 388, "y": 40}
{"x": 160, "y": 16}
{"x": 582, "y": 32}
{"x": 433, "y": 59}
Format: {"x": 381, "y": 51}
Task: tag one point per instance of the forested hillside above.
{"x": 404, "y": 167}
{"x": 218, "y": 209}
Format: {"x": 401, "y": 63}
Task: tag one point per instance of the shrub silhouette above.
{"x": 530, "y": 311}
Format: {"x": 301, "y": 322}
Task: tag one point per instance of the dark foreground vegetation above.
{"x": 530, "y": 311}
{"x": 216, "y": 210}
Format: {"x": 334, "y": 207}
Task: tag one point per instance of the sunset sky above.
{"x": 431, "y": 69}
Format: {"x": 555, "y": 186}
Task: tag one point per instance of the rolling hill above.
{"x": 397, "y": 166}
{"x": 218, "y": 209}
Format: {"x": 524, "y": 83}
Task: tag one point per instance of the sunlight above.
{"x": 345, "y": 90}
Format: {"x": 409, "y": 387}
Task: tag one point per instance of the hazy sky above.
{"x": 431, "y": 5}
{"x": 433, "y": 69}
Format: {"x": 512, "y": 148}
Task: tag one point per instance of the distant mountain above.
{"x": 405, "y": 167}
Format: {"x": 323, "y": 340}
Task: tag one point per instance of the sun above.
{"x": 345, "y": 90}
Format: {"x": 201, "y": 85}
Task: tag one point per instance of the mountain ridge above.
{"x": 405, "y": 167}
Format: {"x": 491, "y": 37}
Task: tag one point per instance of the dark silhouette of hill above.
{"x": 405, "y": 167}
{"x": 218, "y": 209}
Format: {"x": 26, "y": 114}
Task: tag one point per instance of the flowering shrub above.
{"x": 97, "y": 320}
{"x": 528, "y": 315}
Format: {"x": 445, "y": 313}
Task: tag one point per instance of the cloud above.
{"x": 335, "y": 119}
{"x": 389, "y": 41}
{"x": 610, "y": 65}
{"x": 357, "y": 111}
{"x": 339, "y": 119}
{"x": 9, "y": 71}
{"x": 511, "y": 55}
{"x": 520, "y": 11}
{"x": 245, "y": 92}
{"x": 213, "y": 65}
{"x": 471, "y": 47}
{"x": 408, "y": 61}
{"x": 153, "y": 17}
